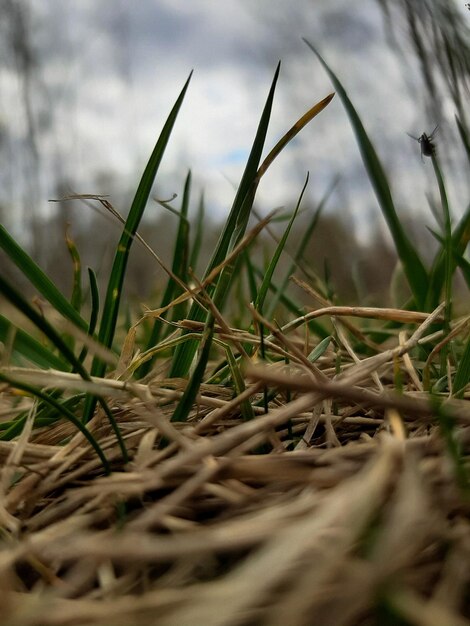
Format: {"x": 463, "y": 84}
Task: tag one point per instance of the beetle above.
{"x": 426, "y": 143}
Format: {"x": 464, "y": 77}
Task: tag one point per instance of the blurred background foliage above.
{"x": 440, "y": 42}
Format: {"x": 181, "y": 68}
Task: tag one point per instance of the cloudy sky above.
{"x": 109, "y": 72}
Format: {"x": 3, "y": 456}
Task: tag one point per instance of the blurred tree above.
{"x": 354, "y": 273}
{"x": 440, "y": 40}
{"x": 19, "y": 56}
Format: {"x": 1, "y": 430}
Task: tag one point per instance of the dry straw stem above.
{"x": 460, "y": 327}
{"x": 388, "y": 314}
{"x": 55, "y": 379}
{"x": 415, "y": 406}
{"x": 289, "y": 345}
{"x": 109, "y": 207}
{"x": 345, "y": 385}
{"x": 301, "y": 545}
{"x": 326, "y": 304}
{"x": 200, "y": 528}
{"x": 219, "y": 319}
{"x": 313, "y": 538}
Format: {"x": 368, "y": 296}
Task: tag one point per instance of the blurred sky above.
{"x": 109, "y": 72}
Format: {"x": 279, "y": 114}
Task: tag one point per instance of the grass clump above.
{"x": 199, "y": 472}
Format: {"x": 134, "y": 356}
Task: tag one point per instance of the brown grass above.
{"x": 340, "y": 506}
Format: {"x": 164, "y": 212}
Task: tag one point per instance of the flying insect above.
{"x": 426, "y": 142}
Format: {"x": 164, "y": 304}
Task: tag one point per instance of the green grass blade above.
{"x": 95, "y": 301}
{"x": 250, "y": 275}
{"x": 76, "y": 299}
{"x": 413, "y": 266}
{"x": 39, "y": 279}
{"x": 462, "y": 376}
{"x": 238, "y": 384}
{"x": 26, "y": 347}
{"x": 190, "y": 393}
{"x": 199, "y": 228}
{"x": 464, "y": 137}
{"x": 113, "y": 293}
{"x": 95, "y": 308}
{"x": 165, "y": 346}
{"x": 180, "y": 265}
{"x": 320, "y": 349}
{"x": 449, "y": 262}
{"x": 116, "y": 280}
{"x": 300, "y": 251}
{"x": 263, "y": 290}
{"x": 234, "y": 228}
{"x": 464, "y": 266}
{"x": 448, "y": 428}
{"x": 292, "y": 132}
{"x": 180, "y": 269}
{"x": 15, "y": 298}
{"x": 45, "y": 416}
{"x": 47, "y": 399}
{"x": 315, "y": 326}
{"x": 460, "y": 239}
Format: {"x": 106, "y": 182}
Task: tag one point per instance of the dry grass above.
{"x": 354, "y": 517}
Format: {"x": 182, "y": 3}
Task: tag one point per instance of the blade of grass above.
{"x": 462, "y": 375}
{"x": 196, "y": 378}
{"x": 116, "y": 280}
{"x": 238, "y": 383}
{"x": 46, "y": 416}
{"x": 15, "y": 298}
{"x": 76, "y": 299}
{"x": 233, "y": 231}
{"x": 300, "y": 250}
{"x": 464, "y": 266}
{"x": 63, "y": 410}
{"x": 180, "y": 269}
{"x": 180, "y": 264}
{"x": 192, "y": 389}
{"x": 449, "y": 263}
{"x": 293, "y": 131}
{"x": 113, "y": 293}
{"x": 263, "y": 290}
{"x": 196, "y": 247}
{"x": 26, "y": 347}
{"x": 412, "y": 264}
{"x": 39, "y": 279}
{"x": 464, "y": 137}
{"x": 448, "y": 429}
{"x": 320, "y": 349}
{"x": 460, "y": 239}
{"x": 95, "y": 308}
{"x": 214, "y": 311}
{"x": 295, "y": 308}
{"x": 258, "y": 295}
